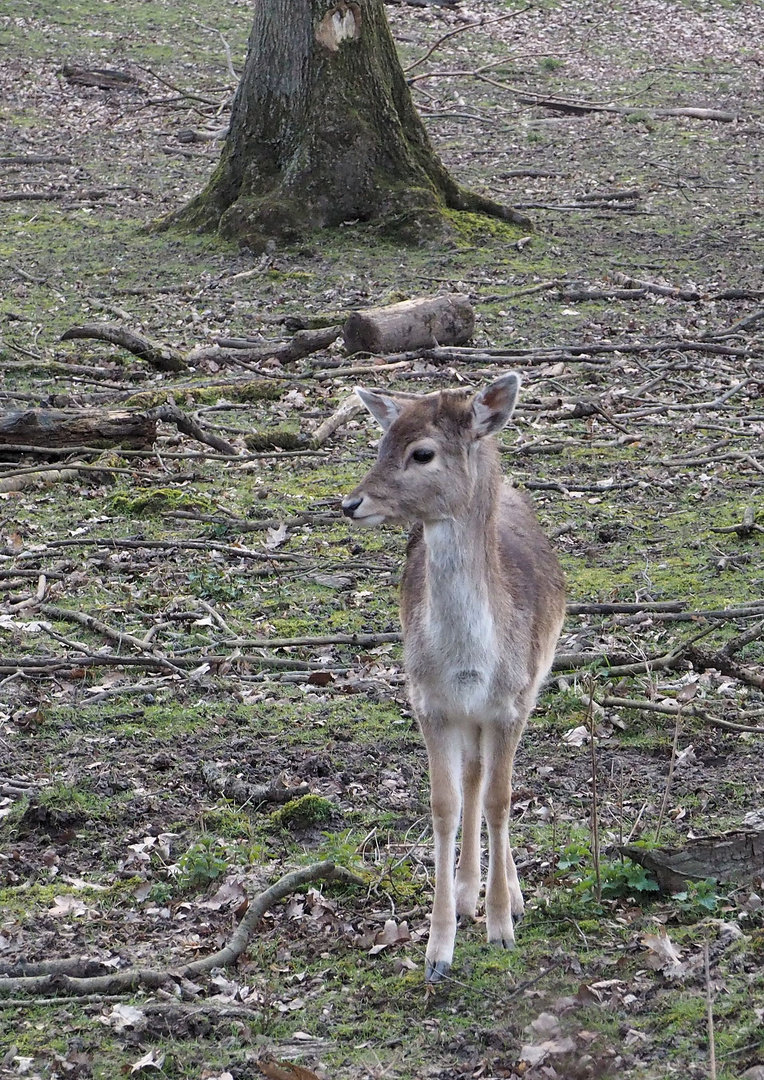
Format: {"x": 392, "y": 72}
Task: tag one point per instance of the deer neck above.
{"x": 462, "y": 553}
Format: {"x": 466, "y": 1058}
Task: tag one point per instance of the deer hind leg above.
{"x": 468, "y": 869}
{"x": 444, "y": 750}
{"x": 504, "y": 900}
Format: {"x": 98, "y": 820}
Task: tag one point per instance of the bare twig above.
{"x": 709, "y": 1016}
{"x": 462, "y": 29}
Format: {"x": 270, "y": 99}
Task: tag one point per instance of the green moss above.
{"x": 157, "y": 500}
{"x": 472, "y": 228}
{"x": 303, "y": 813}
{"x": 254, "y": 390}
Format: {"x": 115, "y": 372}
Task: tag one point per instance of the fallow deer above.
{"x": 482, "y": 605}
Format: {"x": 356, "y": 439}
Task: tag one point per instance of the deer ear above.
{"x": 492, "y": 407}
{"x": 384, "y": 409}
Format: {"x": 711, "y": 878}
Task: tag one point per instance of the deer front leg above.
{"x": 504, "y": 900}
{"x": 444, "y": 752}
{"x": 468, "y": 870}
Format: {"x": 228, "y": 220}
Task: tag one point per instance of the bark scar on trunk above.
{"x": 341, "y": 23}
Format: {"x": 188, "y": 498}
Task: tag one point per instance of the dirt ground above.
{"x": 633, "y": 312}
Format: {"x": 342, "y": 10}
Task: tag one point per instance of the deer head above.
{"x": 434, "y": 453}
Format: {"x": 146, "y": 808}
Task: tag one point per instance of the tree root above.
{"x": 459, "y": 198}
{"x": 150, "y": 978}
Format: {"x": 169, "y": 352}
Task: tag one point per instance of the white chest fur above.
{"x": 454, "y": 659}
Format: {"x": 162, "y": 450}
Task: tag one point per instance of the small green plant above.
{"x": 161, "y": 892}
{"x": 201, "y": 864}
{"x": 214, "y": 585}
{"x": 341, "y": 848}
{"x": 550, "y": 63}
{"x": 698, "y": 899}
{"x": 617, "y": 879}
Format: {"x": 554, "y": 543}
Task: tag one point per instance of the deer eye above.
{"x": 423, "y": 455}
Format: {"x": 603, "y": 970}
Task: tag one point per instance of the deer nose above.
{"x": 350, "y": 505}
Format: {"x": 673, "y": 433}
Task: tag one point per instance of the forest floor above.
{"x": 634, "y": 313}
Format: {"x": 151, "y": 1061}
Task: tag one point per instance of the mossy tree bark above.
{"x": 324, "y": 131}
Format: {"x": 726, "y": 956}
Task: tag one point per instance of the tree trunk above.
{"x": 324, "y": 131}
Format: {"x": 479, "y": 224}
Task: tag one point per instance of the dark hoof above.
{"x": 463, "y": 920}
{"x": 435, "y": 972}
{"x": 502, "y": 943}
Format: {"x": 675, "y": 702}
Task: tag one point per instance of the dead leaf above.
{"x": 391, "y": 933}
{"x": 285, "y": 1070}
{"x": 67, "y": 905}
{"x": 153, "y": 1060}
{"x": 23, "y": 1064}
{"x": 124, "y": 1016}
{"x": 688, "y": 691}
{"x": 276, "y": 537}
{"x": 320, "y": 678}
{"x": 230, "y": 893}
{"x": 665, "y": 954}
{"x": 535, "y": 1054}
{"x": 546, "y": 1024}
{"x": 576, "y": 736}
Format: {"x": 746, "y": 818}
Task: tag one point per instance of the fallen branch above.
{"x": 90, "y": 622}
{"x": 78, "y": 967}
{"x": 244, "y": 794}
{"x": 103, "y": 78}
{"x": 642, "y": 705}
{"x": 349, "y": 408}
{"x": 447, "y": 319}
{"x": 174, "y": 415}
{"x": 579, "y": 108}
{"x": 154, "y": 977}
{"x": 625, "y": 608}
{"x": 158, "y": 356}
{"x": 34, "y": 476}
{"x": 36, "y": 159}
{"x": 722, "y": 662}
{"x": 240, "y": 350}
{"x": 479, "y": 25}
{"x": 654, "y": 287}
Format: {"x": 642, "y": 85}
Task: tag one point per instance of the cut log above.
{"x": 413, "y": 324}
{"x": 54, "y": 428}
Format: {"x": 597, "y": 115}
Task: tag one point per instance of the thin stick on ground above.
{"x": 669, "y": 778}
{"x": 710, "y": 1016}
{"x": 595, "y": 815}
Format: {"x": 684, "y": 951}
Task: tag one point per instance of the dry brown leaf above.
{"x": 68, "y": 905}
{"x": 276, "y": 537}
{"x": 285, "y": 1070}
{"x": 665, "y": 953}
{"x": 230, "y": 893}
